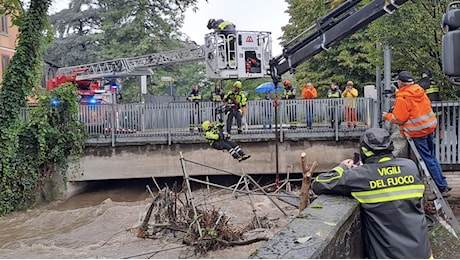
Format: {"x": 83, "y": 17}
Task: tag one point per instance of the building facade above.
{"x": 8, "y": 36}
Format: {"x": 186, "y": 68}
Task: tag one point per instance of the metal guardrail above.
{"x": 178, "y": 122}
{"x": 172, "y": 122}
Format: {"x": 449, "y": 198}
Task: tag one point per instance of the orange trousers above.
{"x": 350, "y": 116}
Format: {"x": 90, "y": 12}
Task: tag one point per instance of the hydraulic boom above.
{"x": 327, "y": 31}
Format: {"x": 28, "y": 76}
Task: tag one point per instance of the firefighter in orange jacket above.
{"x": 413, "y": 114}
{"x": 390, "y": 192}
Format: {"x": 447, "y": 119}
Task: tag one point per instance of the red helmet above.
{"x": 286, "y": 82}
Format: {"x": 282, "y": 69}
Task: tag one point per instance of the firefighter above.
{"x": 195, "y": 113}
{"x": 215, "y": 136}
{"x": 217, "y": 96}
{"x": 432, "y": 91}
{"x": 429, "y": 85}
{"x": 236, "y": 100}
{"x": 289, "y": 93}
{"x": 390, "y": 192}
{"x": 334, "y": 93}
{"x": 228, "y": 29}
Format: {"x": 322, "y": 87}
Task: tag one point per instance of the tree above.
{"x": 75, "y": 34}
{"x": 22, "y": 75}
{"x": 412, "y": 31}
{"x": 415, "y": 37}
{"x": 348, "y": 60}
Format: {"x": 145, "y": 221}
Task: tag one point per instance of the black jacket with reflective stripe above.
{"x": 390, "y": 192}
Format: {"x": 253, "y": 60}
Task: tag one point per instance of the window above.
{"x": 5, "y": 62}
{"x": 3, "y": 24}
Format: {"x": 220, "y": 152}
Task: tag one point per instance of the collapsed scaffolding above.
{"x": 207, "y": 227}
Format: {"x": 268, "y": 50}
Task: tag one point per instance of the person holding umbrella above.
{"x": 267, "y": 111}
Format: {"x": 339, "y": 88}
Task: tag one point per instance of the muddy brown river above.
{"x": 103, "y": 224}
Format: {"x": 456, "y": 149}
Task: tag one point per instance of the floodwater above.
{"x": 103, "y": 223}
{"x": 97, "y": 224}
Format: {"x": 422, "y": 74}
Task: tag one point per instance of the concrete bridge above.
{"x": 160, "y": 160}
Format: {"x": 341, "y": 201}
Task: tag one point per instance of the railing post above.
{"x": 112, "y": 119}
{"x": 168, "y": 122}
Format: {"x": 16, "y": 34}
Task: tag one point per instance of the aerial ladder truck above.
{"x": 252, "y": 53}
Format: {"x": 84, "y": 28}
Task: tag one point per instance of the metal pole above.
{"x": 277, "y": 133}
{"x": 387, "y": 81}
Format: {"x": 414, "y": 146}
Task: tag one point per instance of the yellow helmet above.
{"x": 237, "y": 84}
{"x": 205, "y": 125}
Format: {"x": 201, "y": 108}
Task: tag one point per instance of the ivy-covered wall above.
{"x": 32, "y": 150}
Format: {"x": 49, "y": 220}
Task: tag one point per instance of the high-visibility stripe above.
{"x": 367, "y": 153}
{"x": 390, "y": 194}
{"x": 338, "y": 169}
{"x": 431, "y": 90}
{"x": 385, "y": 159}
{"x": 426, "y": 121}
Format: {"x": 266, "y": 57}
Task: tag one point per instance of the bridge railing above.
{"x": 177, "y": 122}
{"x": 180, "y": 122}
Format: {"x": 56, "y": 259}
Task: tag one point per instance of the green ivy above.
{"x": 49, "y": 138}
{"x": 34, "y": 149}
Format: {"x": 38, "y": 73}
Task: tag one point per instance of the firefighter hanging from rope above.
{"x": 214, "y": 134}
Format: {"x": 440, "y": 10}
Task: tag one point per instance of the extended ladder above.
{"x": 136, "y": 66}
{"x": 440, "y": 203}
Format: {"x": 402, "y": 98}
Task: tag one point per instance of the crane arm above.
{"x": 340, "y": 23}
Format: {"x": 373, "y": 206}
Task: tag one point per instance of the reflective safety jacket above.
{"x": 289, "y": 92}
{"x": 194, "y": 96}
{"x": 225, "y": 27}
{"x": 334, "y": 93}
{"x": 237, "y": 98}
{"x": 217, "y": 95}
{"x": 390, "y": 192}
{"x": 431, "y": 88}
{"x": 412, "y": 112}
{"x": 214, "y": 133}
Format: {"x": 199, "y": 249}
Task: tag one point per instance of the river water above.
{"x": 103, "y": 223}
{"x": 98, "y": 224}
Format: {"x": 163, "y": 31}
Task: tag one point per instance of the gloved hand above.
{"x": 221, "y": 120}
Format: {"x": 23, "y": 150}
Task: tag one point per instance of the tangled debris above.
{"x": 168, "y": 214}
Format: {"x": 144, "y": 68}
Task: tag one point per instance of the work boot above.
{"x": 246, "y": 156}
{"x": 240, "y": 131}
{"x": 240, "y": 159}
{"x": 446, "y": 193}
{"x": 432, "y": 196}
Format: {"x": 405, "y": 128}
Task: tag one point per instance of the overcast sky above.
{"x": 247, "y": 15}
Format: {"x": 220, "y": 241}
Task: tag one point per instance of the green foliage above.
{"x": 30, "y": 151}
{"x": 50, "y": 136}
{"x": 413, "y": 32}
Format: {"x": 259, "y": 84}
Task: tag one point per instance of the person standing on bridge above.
{"x": 413, "y": 114}
{"x": 334, "y": 93}
{"x": 195, "y": 112}
{"x": 236, "y": 100}
{"x": 214, "y": 134}
{"x": 390, "y": 192}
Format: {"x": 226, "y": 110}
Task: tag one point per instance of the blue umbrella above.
{"x": 268, "y": 86}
